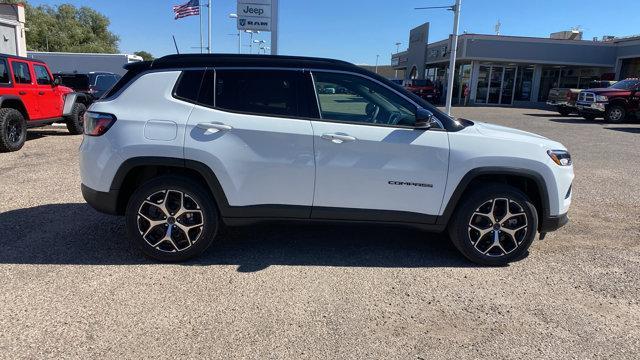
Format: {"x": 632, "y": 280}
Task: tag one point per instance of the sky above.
{"x": 358, "y": 30}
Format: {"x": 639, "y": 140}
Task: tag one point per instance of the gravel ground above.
{"x": 72, "y": 287}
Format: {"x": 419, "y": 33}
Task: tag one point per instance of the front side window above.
{"x": 42, "y": 75}
{"x": 21, "y": 73}
{"x": 263, "y": 92}
{"x": 4, "y": 72}
{"x": 355, "y": 99}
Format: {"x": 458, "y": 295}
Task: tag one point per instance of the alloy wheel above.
{"x": 498, "y": 227}
{"x": 615, "y": 114}
{"x": 14, "y": 131}
{"x": 170, "y": 221}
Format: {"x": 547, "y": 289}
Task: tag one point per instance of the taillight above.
{"x": 97, "y": 124}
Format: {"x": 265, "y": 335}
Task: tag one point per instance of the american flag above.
{"x": 189, "y": 9}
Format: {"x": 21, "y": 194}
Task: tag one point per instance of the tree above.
{"x": 66, "y": 28}
{"x": 146, "y": 56}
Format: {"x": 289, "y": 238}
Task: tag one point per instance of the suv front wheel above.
{"x": 495, "y": 225}
{"x": 171, "y": 219}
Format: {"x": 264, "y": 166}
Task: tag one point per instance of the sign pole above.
{"x": 200, "y": 16}
{"x": 209, "y": 47}
{"x": 274, "y": 27}
{"x": 452, "y": 60}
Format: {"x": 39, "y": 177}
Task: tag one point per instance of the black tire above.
{"x": 471, "y": 243}
{"x": 75, "y": 121}
{"x": 179, "y": 248}
{"x": 615, "y": 114}
{"x": 13, "y": 130}
{"x": 564, "y": 111}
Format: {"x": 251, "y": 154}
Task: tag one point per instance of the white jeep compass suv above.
{"x": 186, "y": 143}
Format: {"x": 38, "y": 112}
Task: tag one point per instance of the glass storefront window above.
{"x": 630, "y": 68}
{"x": 524, "y": 83}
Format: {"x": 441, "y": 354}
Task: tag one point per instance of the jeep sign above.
{"x": 254, "y": 15}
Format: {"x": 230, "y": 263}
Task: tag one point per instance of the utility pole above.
{"x": 454, "y": 53}
{"x": 274, "y": 27}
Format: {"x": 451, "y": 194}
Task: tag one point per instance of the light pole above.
{"x": 251, "y": 32}
{"x": 454, "y": 47}
{"x": 397, "y": 52}
{"x": 377, "y": 57}
{"x": 235, "y": 16}
{"x": 260, "y": 44}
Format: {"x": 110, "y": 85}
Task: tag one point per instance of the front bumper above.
{"x": 104, "y": 202}
{"x": 553, "y": 223}
{"x": 595, "y": 108}
{"x": 560, "y": 103}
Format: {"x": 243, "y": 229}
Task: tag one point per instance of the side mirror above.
{"x": 57, "y": 81}
{"x": 424, "y": 119}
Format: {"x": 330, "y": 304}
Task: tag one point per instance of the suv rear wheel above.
{"x": 495, "y": 225}
{"x": 13, "y": 130}
{"x": 75, "y": 121}
{"x": 171, "y": 219}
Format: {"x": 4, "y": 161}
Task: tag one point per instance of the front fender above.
{"x": 71, "y": 100}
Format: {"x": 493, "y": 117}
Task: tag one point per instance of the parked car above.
{"x": 187, "y": 143}
{"x": 425, "y": 89}
{"x": 614, "y": 103}
{"x": 94, "y": 84}
{"x": 564, "y": 99}
{"x": 30, "y": 97}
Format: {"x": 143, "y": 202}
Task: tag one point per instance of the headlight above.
{"x": 602, "y": 98}
{"x": 560, "y": 157}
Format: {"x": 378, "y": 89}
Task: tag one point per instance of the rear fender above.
{"x": 71, "y": 100}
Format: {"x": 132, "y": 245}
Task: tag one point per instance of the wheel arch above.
{"x": 135, "y": 171}
{"x": 14, "y": 102}
{"x": 528, "y": 181}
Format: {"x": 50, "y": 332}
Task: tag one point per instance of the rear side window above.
{"x": 263, "y": 92}
{"x": 4, "y": 72}
{"x": 21, "y": 73}
{"x": 188, "y": 87}
{"x": 42, "y": 75}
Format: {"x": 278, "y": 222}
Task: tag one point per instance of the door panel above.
{"x": 259, "y": 159}
{"x": 49, "y": 100}
{"x": 382, "y": 169}
{"x": 369, "y": 156}
{"x": 25, "y": 88}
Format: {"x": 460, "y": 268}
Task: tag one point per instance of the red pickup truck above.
{"x": 615, "y": 103}
{"x": 31, "y": 97}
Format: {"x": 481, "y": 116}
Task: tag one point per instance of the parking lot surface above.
{"x": 72, "y": 287}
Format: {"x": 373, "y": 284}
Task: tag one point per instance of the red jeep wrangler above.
{"x": 30, "y": 97}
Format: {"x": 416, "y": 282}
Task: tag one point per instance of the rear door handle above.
{"x": 22, "y": 92}
{"x": 41, "y": 93}
{"x": 215, "y": 126}
{"x": 338, "y": 138}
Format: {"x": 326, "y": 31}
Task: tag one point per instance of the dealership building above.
{"x": 508, "y": 70}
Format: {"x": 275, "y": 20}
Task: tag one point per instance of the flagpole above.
{"x": 209, "y": 27}
{"x": 200, "y": 13}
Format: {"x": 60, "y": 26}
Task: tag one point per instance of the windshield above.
{"x": 626, "y": 85}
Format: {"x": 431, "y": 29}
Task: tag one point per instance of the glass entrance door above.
{"x": 496, "y": 85}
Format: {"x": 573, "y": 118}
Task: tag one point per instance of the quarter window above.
{"x": 42, "y": 75}
{"x": 188, "y": 86}
{"x": 352, "y": 98}
{"x": 21, "y": 72}
{"x": 263, "y": 92}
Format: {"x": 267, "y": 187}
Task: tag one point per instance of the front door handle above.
{"x": 22, "y": 92}
{"x": 338, "y": 138}
{"x": 215, "y": 126}
{"x": 41, "y": 93}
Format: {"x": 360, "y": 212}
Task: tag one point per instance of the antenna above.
{"x": 175, "y": 44}
{"x": 497, "y": 28}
